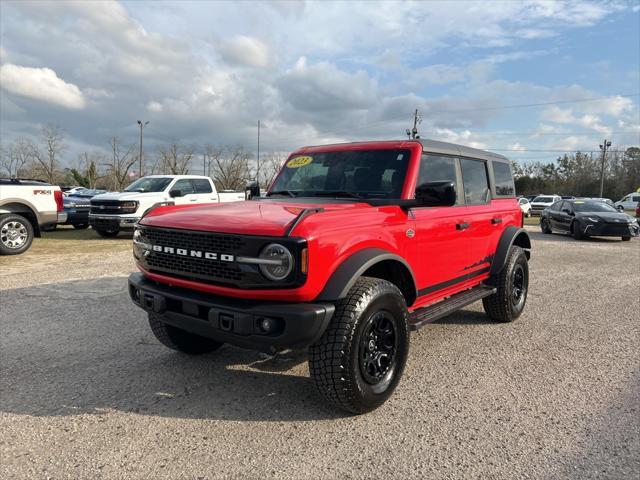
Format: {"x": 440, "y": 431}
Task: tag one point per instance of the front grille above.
{"x": 111, "y": 207}
{"x": 183, "y": 263}
{"x": 103, "y": 223}
{"x": 226, "y": 272}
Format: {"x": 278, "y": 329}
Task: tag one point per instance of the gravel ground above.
{"x": 87, "y": 392}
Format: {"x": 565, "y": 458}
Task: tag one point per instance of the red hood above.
{"x": 257, "y": 217}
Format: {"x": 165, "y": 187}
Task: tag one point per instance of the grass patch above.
{"x": 532, "y": 221}
{"x": 67, "y": 240}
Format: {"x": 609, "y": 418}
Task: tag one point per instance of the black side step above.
{"x": 429, "y": 314}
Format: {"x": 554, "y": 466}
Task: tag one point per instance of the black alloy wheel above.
{"x": 378, "y": 345}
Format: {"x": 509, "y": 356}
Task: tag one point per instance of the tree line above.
{"x": 579, "y": 175}
{"x": 231, "y": 167}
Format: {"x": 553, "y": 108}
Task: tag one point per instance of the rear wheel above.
{"x": 177, "y": 339}
{"x": 16, "y": 234}
{"x": 512, "y": 285}
{"x": 360, "y": 358}
{"x": 80, "y": 226}
{"x": 626, "y": 239}
{"x": 108, "y": 233}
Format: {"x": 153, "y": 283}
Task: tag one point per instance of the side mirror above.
{"x": 620, "y": 208}
{"x": 252, "y": 190}
{"x": 436, "y": 194}
{"x": 175, "y": 193}
{"x": 567, "y": 211}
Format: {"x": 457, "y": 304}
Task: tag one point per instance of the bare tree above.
{"x": 47, "y": 157}
{"x": 212, "y": 154}
{"x": 14, "y": 157}
{"x": 270, "y": 165}
{"x": 121, "y": 161}
{"x": 230, "y": 170}
{"x": 87, "y": 170}
{"x": 175, "y": 158}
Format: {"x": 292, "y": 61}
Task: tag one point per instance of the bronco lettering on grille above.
{"x": 193, "y": 253}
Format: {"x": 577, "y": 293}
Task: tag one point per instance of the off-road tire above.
{"x": 544, "y": 226}
{"x": 626, "y": 239}
{"x": 501, "y": 306}
{"x": 335, "y": 361}
{"x": 181, "y": 340}
{"x": 26, "y": 229}
{"x": 107, "y": 233}
{"x": 80, "y": 226}
{"x": 575, "y": 231}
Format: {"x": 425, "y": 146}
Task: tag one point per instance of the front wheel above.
{"x": 80, "y": 226}
{"x": 358, "y": 361}
{"x": 512, "y": 285}
{"x": 177, "y": 339}
{"x": 544, "y": 226}
{"x": 16, "y": 234}
{"x": 626, "y": 239}
{"x": 576, "y": 231}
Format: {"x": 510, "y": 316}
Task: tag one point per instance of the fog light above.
{"x": 268, "y": 325}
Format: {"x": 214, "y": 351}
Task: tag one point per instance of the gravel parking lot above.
{"x": 87, "y": 391}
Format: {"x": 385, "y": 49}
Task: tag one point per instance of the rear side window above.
{"x": 503, "y": 179}
{"x": 434, "y": 168}
{"x": 201, "y": 185}
{"x": 184, "y": 186}
{"x": 474, "y": 177}
{"x": 635, "y": 199}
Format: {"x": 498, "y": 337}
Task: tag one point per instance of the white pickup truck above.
{"x": 26, "y": 207}
{"x": 113, "y": 212}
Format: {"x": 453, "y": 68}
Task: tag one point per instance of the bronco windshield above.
{"x": 348, "y": 174}
{"x": 149, "y": 184}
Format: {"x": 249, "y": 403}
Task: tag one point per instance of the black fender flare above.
{"x": 511, "y": 235}
{"x": 353, "y": 267}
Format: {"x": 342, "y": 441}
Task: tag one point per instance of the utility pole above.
{"x": 142, "y": 125}
{"x": 413, "y": 133}
{"x": 204, "y": 164}
{"x": 258, "y": 158}
{"x": 606, "y": 144}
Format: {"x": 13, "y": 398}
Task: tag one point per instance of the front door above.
{"x": 188, "y": 192}
{"x": 441, "y": 247}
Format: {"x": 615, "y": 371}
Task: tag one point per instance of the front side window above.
{"x": 185, "y": 186}
{"x": 349, "y": 174}
{"x": 474, "y": 177}
{"x": 436, "y": 168}
{"x": 503, "y": 179}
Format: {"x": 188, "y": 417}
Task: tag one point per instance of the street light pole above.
{"x": 258, "y": 158}
{"x": 142, "y": 125}
{"x": 606, "y": 144}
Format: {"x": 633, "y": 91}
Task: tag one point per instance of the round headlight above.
{"x": 278, "y": 262}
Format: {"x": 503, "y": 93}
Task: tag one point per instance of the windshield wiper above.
{"x": 282, "y": 192}
{"x": 336, "y": 193}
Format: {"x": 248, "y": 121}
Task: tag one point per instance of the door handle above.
{"x": 496, "y": 220}
{"x": 193, "y": 200}
{"x": 462, "y": 226}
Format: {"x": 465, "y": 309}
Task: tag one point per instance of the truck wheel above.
{"x": 359, "y": 359}
{"x": 181, "y": 340}
{"x": 626, "y": 239}
{"x": 80, "y": 226}
{"x": 512, "y": 286}
{"x": 544, "y": 226}
{"x": 16, "y": 234}
{"x": 108, "y": 233}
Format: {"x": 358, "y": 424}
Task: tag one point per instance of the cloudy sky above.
{"x": 524, "y": 78}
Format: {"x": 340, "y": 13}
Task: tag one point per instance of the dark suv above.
{"x": 353, "y": 246}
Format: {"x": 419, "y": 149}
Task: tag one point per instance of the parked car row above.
{"x": 588, "y": 217}
{"x": 540, "y": 202}
{"x": 28, "y": 207}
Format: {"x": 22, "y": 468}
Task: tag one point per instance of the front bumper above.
{"x": 230, "y": 320}
{"x": 113, "y": 222}
{"x": 610, "y": 229}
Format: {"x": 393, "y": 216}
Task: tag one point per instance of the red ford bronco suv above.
{"x": 353, "y": 246}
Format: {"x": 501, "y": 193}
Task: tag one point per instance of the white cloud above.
{"x": 41, "y": 84}
{"x": 155, "y": 107}
{"x": 247, "y": 51}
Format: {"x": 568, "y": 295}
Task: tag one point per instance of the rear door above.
{"x": 441, "y": 247}
{"x": 484, "y": 217}
{"x": 204, "y": 190}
